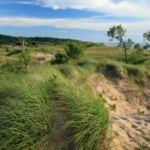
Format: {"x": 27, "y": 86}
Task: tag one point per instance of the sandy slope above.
{"x": 127, "y": 124}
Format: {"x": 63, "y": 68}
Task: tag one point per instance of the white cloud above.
{"x": 63, "y": 31}
{"x": 81, "y": 23}
{"x": 130, "y": 8}
{"x": 26, "y": 2}
{"x": 134, "y": 8}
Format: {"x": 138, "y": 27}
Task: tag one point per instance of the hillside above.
{"x": 98, "y": 102}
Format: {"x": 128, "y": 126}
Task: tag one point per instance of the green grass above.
{"x": 87, "y": 117}
{"x": 27, "y": 109}
{"x": 25, "y": 113}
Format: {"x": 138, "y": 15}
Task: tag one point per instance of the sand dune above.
{"x": 128, "y": 126}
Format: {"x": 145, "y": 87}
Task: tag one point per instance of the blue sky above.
{"x": 86, "y": 20}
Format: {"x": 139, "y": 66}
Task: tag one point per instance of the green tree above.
{"x": 139, "y": 51}
{"x": 74, "y": 51}
{"x": 25, "y": 58}
{"x": 137, "y": 46}
{"x": 60, "y": 59}
{"x": 118, "y": 32}
{"x": 146, "y": 35}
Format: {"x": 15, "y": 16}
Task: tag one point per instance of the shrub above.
{"x": 74, "y": 51}
{"x": 113, "y": 107}
{"x": 102, "y": 44}
{"x": 14, "y": 52}
{"x": 60, "y": 59}
{"x": 7, "y": 49}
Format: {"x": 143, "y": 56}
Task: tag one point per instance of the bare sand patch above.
{"x": 126, "y": 123}
{"x": 43, "y": 57}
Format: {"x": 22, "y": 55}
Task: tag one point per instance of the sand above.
{"x": 48, "y": 56}
{"x": 129, "y": 127}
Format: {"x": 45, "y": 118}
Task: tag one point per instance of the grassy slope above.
{"x": 26, "y": 100}
{"x": 27, "y": 114}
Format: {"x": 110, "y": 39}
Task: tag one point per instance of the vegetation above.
{"x": 7, "y": 49}
{"x": 31, "y": 95}
{"x": 146, "y": 35}
{"x": 118, "y": 32}
{"x": 60, "y": 59}
{"x": 35, "y": 110}
{"x": 31, "y": 41}
{"x": 74, "y": 51}
{"x": 140, "y": 112}
{"x": 113, "y": 107}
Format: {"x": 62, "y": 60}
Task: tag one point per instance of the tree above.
{"x": 118, "y": 32}
{"x": 146, "y": 35}
{"x": 60, "y": 59}
{"x": 22, "y": 42}
{"x": 137, "y": 46}
{"x": 138, "y": 52}
{"x": 26, "y": 58}
{"x": 74, "y": 51}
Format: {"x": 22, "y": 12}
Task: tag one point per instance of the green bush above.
{"x": 7, "y": 49}
{"x": 60, "y": 59}
{"x": 74, "y": 51}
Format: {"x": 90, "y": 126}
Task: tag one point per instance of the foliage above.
{"x": 102, "y": 44}
{"x": 14, "y": 52}
{"x": 60, "y": 58}
{"x": 87, "y": 118}
{"x": 118, "y": 32}
{"x": 146, "y": 35}
{"x": 140, "y": 112}
{"x": 114, "y": 107}
{"x": 136, "y": 56}
{"x": 32, "y": 41}
{"x": 74, "y": 51}
{"x": 7, "y": 49}
{"x": 26, "y": 113}
{"x": 137, "y": 46}
{"x": 26, "y": 58}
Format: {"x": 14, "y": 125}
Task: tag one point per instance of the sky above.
{"x": 86, "y": 20}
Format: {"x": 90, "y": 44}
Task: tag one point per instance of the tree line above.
{"x": 31, "y": 41}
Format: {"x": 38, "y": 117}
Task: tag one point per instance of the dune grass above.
{"x": 87, "y": 117}
{"x": 25, "y": 113}
{"x": 27, "y": 109}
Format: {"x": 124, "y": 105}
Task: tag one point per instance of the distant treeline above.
{"x": 10, "y": 40}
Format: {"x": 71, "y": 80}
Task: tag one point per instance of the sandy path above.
{"x": 126, "y": 122}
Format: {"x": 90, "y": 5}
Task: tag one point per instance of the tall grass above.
{"x": 25, "y": 113}
{"x": 87, "y": 118}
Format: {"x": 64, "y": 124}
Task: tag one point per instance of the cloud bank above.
{"x": 132, "y": 8}
{"x": 81, "y": 23}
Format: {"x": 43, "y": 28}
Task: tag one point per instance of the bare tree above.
{"x": 22, "y": 42}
